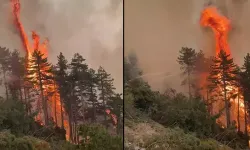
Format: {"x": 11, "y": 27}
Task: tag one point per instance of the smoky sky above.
{"x": 92, "y": 28}
{"x": 156, "y": 31}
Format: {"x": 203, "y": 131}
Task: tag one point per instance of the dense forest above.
{"x": 64, "y": 106}
{"x": 212, "y": 115}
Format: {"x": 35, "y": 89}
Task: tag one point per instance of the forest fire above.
{"x": 50, "y": 90}
{"x": 210, "y": 17}
{"x": 220, "y": 25}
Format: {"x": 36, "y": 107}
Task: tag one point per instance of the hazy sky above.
{"x": 92, "y": 28}
{"x": 157, "y": 29}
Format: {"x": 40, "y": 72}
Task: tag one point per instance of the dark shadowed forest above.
{"x": 64, "y": 106}
{"x": 213, "y": 115}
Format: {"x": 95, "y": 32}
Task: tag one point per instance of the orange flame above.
{"x": 53, "y": 100}
{"x": 210, "y": 17}
{"x": 113, "y": 116}
{"x": 220, "y": 25}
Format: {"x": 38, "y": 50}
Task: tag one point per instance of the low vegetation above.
{"x": 172, "y": 120}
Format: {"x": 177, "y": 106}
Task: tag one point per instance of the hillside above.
{"x": 172, "y": 119}
{"x": 144, "y": 133}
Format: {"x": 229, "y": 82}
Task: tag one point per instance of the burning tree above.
{"x": 62, "y": 90}
{"x": 223, "y": 76}
{"x": 210, "y": 17}
{"x": 39, "y": 73}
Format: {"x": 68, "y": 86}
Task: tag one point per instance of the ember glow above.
{"x": 210, "y": 17}
{"x": 50, "y": 91}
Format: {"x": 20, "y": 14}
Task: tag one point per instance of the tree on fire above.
{"x": 76, "y": 83}
{"x": 222, "y": 76}
{"x": 39, "y": 74}
{"x": 78, "y": 86}
{"x": 187, "y": 61}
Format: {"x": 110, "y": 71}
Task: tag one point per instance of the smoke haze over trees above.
{"x": 67, "y": 93}
{"x": 92, "y": 28}
{"x": 170, "y": 25}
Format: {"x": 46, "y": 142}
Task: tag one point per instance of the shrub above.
{"x": 10, "y": 142}
{"x": 96, "y": 137}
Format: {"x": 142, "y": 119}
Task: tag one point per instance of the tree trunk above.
{"x": 55, "y": 113}
{"x": 70, "y": 127}
{"x": 55, "y": 104}
{"x": 93, "y": 101}
{"x": 25, "y": 101}
{"x": 245, "y": 113}
{"x": 62, "y": 117}
{"x": 44, "y": 101}
{"x": 104, "y": 105}
{"x": 226, "y": 104}
{"x": 5, "y": 84}
{"x": 75, "y": 131}
{"x": 20, "y": 89}
{"x": 238, "y": 116}
{"x": 189, "y": 86}
{"x": 28, "y": 100}
{"x": 246, "y": 124}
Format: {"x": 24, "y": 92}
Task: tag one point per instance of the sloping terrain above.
{"x": 149, "y": 135}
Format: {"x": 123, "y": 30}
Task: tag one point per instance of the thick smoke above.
{"x": 156, "y": 31}
{"x": 92, "y": 28}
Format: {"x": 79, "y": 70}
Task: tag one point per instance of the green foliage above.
{"x": 153, "y": 136}
{"x": 116, "y": 106}
{"x": 10, "y": 142}
{"x": 96, "y": 137}
{"x": 245, "y": 79}
{"x": 14, "y": 117}
{"x": 63, "y": 145}
{"x": 187, "y": 60}
{"x": 190, "y": 115}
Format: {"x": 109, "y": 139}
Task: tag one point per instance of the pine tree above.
{"x": 187, "y": 61}
{"x": 245, "y": 83}
{"x": 91, "y": 92}
{"x": 201, "y": 70}
{"x": 222, "y": 76}
{"x": 61, "y": 78}
{"x": 115, "y": 104}
{"x": 39, "y": 72}
{"x": 4, "y": 62}
{"x": 106, "y": 88}
{"x": 17, "y": 70}
{"x": 78, "y": 69}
